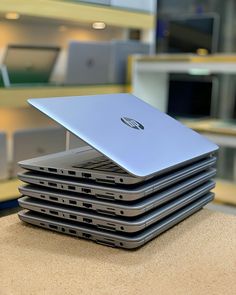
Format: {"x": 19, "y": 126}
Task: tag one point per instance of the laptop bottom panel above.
{"x": 127, "y": 241}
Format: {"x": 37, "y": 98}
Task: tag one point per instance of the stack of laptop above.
{"x": 142, "y": 173}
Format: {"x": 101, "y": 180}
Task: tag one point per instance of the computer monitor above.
{"x": 28, "y": 64}
{"x": 192, "y": 97}
{"x": 190, "y": 34}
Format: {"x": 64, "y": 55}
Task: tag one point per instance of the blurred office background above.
{"x": 62, "y": 48}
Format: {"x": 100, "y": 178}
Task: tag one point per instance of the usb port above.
{"x": 72, "y": 231}
{"x": 73, "y": 216}
{"x": 88, "y": 220}
{"x": 86, "y": 190}
{"x": 87, "y": 205}
{"x": 71, "y": 172}
{"x": 87, "y": 236}
{"x": 86, "y": 175}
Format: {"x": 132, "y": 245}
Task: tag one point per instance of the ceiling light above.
{"x": 12, "y": 15}
{"x": 98, "y": 25}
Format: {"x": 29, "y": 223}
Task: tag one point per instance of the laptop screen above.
{"x": 30, "y": 64}
{"x": 190, "y": 98}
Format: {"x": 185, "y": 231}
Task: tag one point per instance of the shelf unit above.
{"x": 17, "y": 97}
{"x": 79, "y": 13}
{"x": 150, "y": 74}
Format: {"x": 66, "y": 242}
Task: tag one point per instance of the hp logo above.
{"x": 132, "y": 123}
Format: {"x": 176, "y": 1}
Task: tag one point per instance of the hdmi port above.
{"x": 52, "y": 169}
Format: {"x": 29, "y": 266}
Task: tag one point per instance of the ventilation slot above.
{"x": 106, "y": 212}
{"x": 105, "y": 180}
{"x": 110, "y": 244}
{"x": 52, "y": 184}
{"x": 104, "y": 197}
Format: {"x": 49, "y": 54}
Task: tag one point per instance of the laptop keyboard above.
{"x": 101, "y": 164}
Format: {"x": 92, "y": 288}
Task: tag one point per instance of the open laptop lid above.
{"x": 27, "y": 64}
{"x": 133, "y": 134}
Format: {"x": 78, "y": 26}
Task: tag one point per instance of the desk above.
{"x": 198, "y": 256}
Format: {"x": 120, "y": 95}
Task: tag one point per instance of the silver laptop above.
{"x": 132, "y": 209}
{"x": 121, "y": 50}
{"x": 121, "y": 193}
{"x": 138, "y": 141}
{"x": 34, "y": 142}
{"x": 88, "y": 63}
{"x": 3, "y": 156}
{"x": 115, "y": 208}
{"x": 113, "y": 239}
{"x": 87, "y": 164}
{"x": 29, "y": 64}
{"x": 114, "y": 223}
